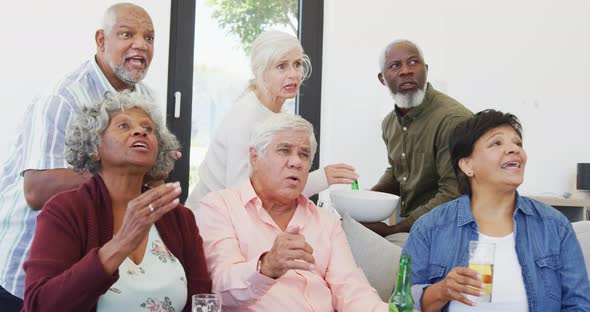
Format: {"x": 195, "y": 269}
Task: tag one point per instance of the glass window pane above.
{"x": 224, "y": 30}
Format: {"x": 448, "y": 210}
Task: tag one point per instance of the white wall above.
{"x": 528, "y": 57}
{"x": 44, "y": 40}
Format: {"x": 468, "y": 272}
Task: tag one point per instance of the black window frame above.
{"x": 180, "y": 76}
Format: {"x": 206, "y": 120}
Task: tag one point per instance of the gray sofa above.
{"x": 379, "y": 258}
{"x": 582, "y": 229}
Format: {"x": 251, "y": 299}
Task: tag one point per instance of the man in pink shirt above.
{"x": 268, "y": 246}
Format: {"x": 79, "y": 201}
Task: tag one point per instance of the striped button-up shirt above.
{"x": 40, "y": 145}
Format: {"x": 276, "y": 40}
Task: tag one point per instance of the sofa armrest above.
{"x": 582, "y": 229}
{"x": 376, "y": 256}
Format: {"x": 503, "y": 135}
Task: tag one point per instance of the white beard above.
{"x": 409, "y": 100}
{"x": 122, "y": 72}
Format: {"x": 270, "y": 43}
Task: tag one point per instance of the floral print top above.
{"x": 157, "y": 284}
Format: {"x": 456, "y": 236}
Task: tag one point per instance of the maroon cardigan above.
{"x": 63, "y": 272}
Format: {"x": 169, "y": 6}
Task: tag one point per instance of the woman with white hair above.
{"x": 113, "y": 244}
{"x": 279, "y": 66}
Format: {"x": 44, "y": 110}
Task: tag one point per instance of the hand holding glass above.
{"x": 481, "y": 259}
{"x": 206, "y": 303}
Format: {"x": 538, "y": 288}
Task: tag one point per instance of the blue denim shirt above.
{"x": 548, "y": 251}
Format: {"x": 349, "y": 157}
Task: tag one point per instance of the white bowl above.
{"x": 364, "y": 206}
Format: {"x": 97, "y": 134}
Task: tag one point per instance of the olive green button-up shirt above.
{"x": 420, "y": 169}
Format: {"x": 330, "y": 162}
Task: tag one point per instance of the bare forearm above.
{"x": 432, "y": 299}
{"x": 385, "y": 230}
{"x": 111, "y": 255}
{"x": 403, "y": 227}
{"x": 383, "y": 188}
{"x": 40, "y": 185}
{"x": 387, "y": 183}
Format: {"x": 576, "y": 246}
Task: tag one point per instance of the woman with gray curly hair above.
{"x": 114, "y": 244}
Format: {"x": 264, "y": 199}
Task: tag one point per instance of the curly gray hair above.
{"x": 85, "y": 131}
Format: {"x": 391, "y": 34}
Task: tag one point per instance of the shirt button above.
{"x": 403, "y": 155}
{"x": 405, "y": 178}
{"x": 404, "y": 128}
{"x": 403, "y": 202}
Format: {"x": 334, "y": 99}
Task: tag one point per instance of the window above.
{"x": 210, "y": 68}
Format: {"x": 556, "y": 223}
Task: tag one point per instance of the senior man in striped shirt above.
{"x": 36, "y": 169}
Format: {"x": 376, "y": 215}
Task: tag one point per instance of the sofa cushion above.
{"x": 582, "y": 229}
{"x": 376, "y": 256}
{"x": 398, "y": 238}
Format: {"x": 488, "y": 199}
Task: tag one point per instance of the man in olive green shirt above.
{"x": 416, "y": 134}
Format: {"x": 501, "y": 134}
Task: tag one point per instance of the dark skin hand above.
{"x": 40, "y": 185}
{"x": 136, "y": 224}
{"x": 382, "y": 228}
{"x": 385, "y": 230}
{"x": 383, "y": 188}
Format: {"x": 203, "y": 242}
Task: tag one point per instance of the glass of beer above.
{"x": 481, "y": 259}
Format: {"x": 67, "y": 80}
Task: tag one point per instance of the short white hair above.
{"x": 265, "y": 132}
{"x": 267, "y": 49}
{"x": 394, "y": 43}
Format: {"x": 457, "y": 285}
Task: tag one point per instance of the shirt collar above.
{"x": 465, "y": 215}
{"x": 102, "y": 79}
{"x": 522, "y": 205}
{"x": 247, "y": 193}
{"x": 305, "y": 207}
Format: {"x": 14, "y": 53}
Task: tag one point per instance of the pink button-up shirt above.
{"x": 236, "y": 230}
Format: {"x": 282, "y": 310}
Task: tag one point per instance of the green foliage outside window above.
{"x": 248, "y": 18}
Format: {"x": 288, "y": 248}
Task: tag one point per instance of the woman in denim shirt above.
{"x": 539, "y": 265}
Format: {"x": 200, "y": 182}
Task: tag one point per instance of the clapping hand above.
{"x": 141, "y": 213}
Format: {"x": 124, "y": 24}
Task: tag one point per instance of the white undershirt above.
{"x": 158, "y": 283}
{"x": 508, "y": 292}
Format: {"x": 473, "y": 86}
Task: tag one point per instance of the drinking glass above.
{"x": 481, "y": 259}
{"x": 206, "y": 303}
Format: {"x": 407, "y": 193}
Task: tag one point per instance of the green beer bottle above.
{"x": 355, "y": 185}
{"x": 401, "y": 300}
